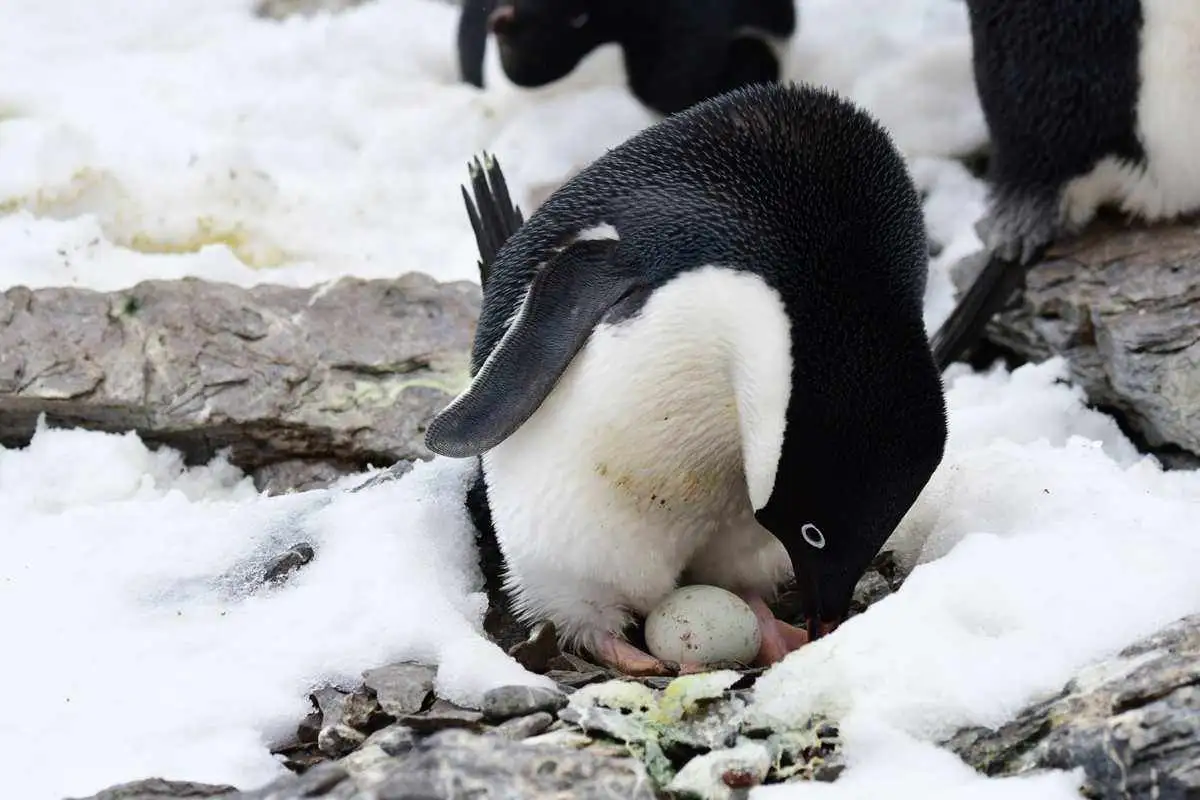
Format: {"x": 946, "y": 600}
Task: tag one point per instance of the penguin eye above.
{"x": 812, "y": 534}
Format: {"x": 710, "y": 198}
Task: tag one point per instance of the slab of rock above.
{"x": 402, "y": 688}
{"x": 506, "y": 702}
{"x": 1132, "y": 724}
{"x": 1122, "y": 305}
{"x": 159, "y": 789}
{"x": 346, "y": 374}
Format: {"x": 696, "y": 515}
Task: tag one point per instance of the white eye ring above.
{"x": 812, "y": 534}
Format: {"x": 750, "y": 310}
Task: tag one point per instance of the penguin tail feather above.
{"x": 995, "y": 285}
{"x": 494, "y": 217}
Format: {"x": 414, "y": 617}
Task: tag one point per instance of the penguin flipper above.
{"x": 988, "y": 293}
{"x": 569, "y": 295}
{"x": 493, "y": 216}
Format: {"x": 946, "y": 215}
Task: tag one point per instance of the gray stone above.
{"x": 329, "y": 701}
{"x": 442, "y": 715}
{"x": 455, "y": 764}
{"x": 394, "y": 740}
{"x": 320, "y": 781}
{"x": 338, "y": 739}
{"x": 291, "y": 560}
{"x": 350, "y": 372}
{"x": 299, "y": 475}
{"x": 402, "y": 688}
{"x": 1132, "y": 723}
{"x": 362, "y": 711}
{"x": 282, "y": 9}
{"x": 159, "y": 789}
{"x": 524, "y": 727}
{"x": 539, "y": 650}
{"x": 1121, "y": 304}
{"x": 505, "y": 702}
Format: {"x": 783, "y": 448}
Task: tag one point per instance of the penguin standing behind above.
{"x": 703, "y": 359}
{"x": 1088, "y": 103}
{"x": 677, "y": 52}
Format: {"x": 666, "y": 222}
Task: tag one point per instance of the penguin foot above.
{"x": 778, "y": 637}
{"x": 617, "y": 654}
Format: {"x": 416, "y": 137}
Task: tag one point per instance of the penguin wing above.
{"x": 567, "y": 297}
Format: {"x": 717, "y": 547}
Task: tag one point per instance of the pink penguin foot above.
{"x": 778, "y": 637}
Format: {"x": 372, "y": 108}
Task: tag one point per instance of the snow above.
{"x": 152, "y": 639}
{"x": 156, "y": 140}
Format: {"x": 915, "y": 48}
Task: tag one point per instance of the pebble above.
{"x": 401, "y": 688}
{"x": 442, "y": 715}
{"x": 505, "y": 702}
{"x": 523, "y": 727}
{"x": 337, "y": 740}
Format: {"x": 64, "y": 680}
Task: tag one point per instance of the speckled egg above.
{"x": 703, "y": 625}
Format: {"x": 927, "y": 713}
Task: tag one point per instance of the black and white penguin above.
{"x": 677, "y": 52}
{"x": 703, "y": 358}
{"x": 1088, "y": 103}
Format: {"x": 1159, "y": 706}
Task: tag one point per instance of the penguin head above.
{"x": 541, "y": 41}
{"x": 857, "y": 451}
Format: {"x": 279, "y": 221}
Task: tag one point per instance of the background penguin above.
{"x": 1088, "y": 103}
{"x": 677, "y": 52}
{"x": 703, "y": 359}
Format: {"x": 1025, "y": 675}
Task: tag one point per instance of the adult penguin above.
{"x": 703, "y": 359}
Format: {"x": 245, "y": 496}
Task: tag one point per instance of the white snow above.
{"x": 153, "y": 140}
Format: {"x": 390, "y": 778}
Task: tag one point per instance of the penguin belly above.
{"x": 633, "y": 472}
{"x": 1168, "y": 121}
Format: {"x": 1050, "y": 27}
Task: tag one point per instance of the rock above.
{"x": 442, "y": 715}
{"x": 299, "y": 475}
{"x": 347, "y": 373}
{"x": 524, "y": 727}
{"x": 505, "y": 702}
{"x": 536, "y": 652}
{"x": 338, "y": 739}
{"x": 159, "y": 789}
{"x": 454, "y": 764}
{"x": 329, "y": 702}
{"x": 394, "y": 740}
{"x": 1132, "y": 723}
{"x": 282, "y": 9}
{"x": 362, "y": 711}
{"x": 402, "y": 688}
{"x": 283, "y": 566}
{"x": 1121, "y": 304}
{"x": 319, "y": 781}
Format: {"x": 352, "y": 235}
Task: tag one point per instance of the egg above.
{"x": 702, "y": 625}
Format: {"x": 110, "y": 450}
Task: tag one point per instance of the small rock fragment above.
{"x": 505, "y": 702}
{"x": 317, "y": 782}
{"x": 337, "y": 740}
{"x": 395, "y": 740}
{"x": 442, "y": 715}
{"x": 872, "y": 587}
{"x": 291, "y": 560}
{"x": 571, "y": 679}
{"x": 536, "y": 652}
{"x": 401, "y": 688}
{"x": 362, "y": 712}
{"x": 561, "y": 738}
{"x": 525, "y": 727}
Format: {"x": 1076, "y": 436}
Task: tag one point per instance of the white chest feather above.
{"x": 1168, "y": 120}
{"x": 649, "y": 457}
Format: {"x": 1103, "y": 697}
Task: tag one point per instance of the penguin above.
{"x": 677, "y": 52}
{"x": 1088, "y": 104}
{"x": 703, "y": 359}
